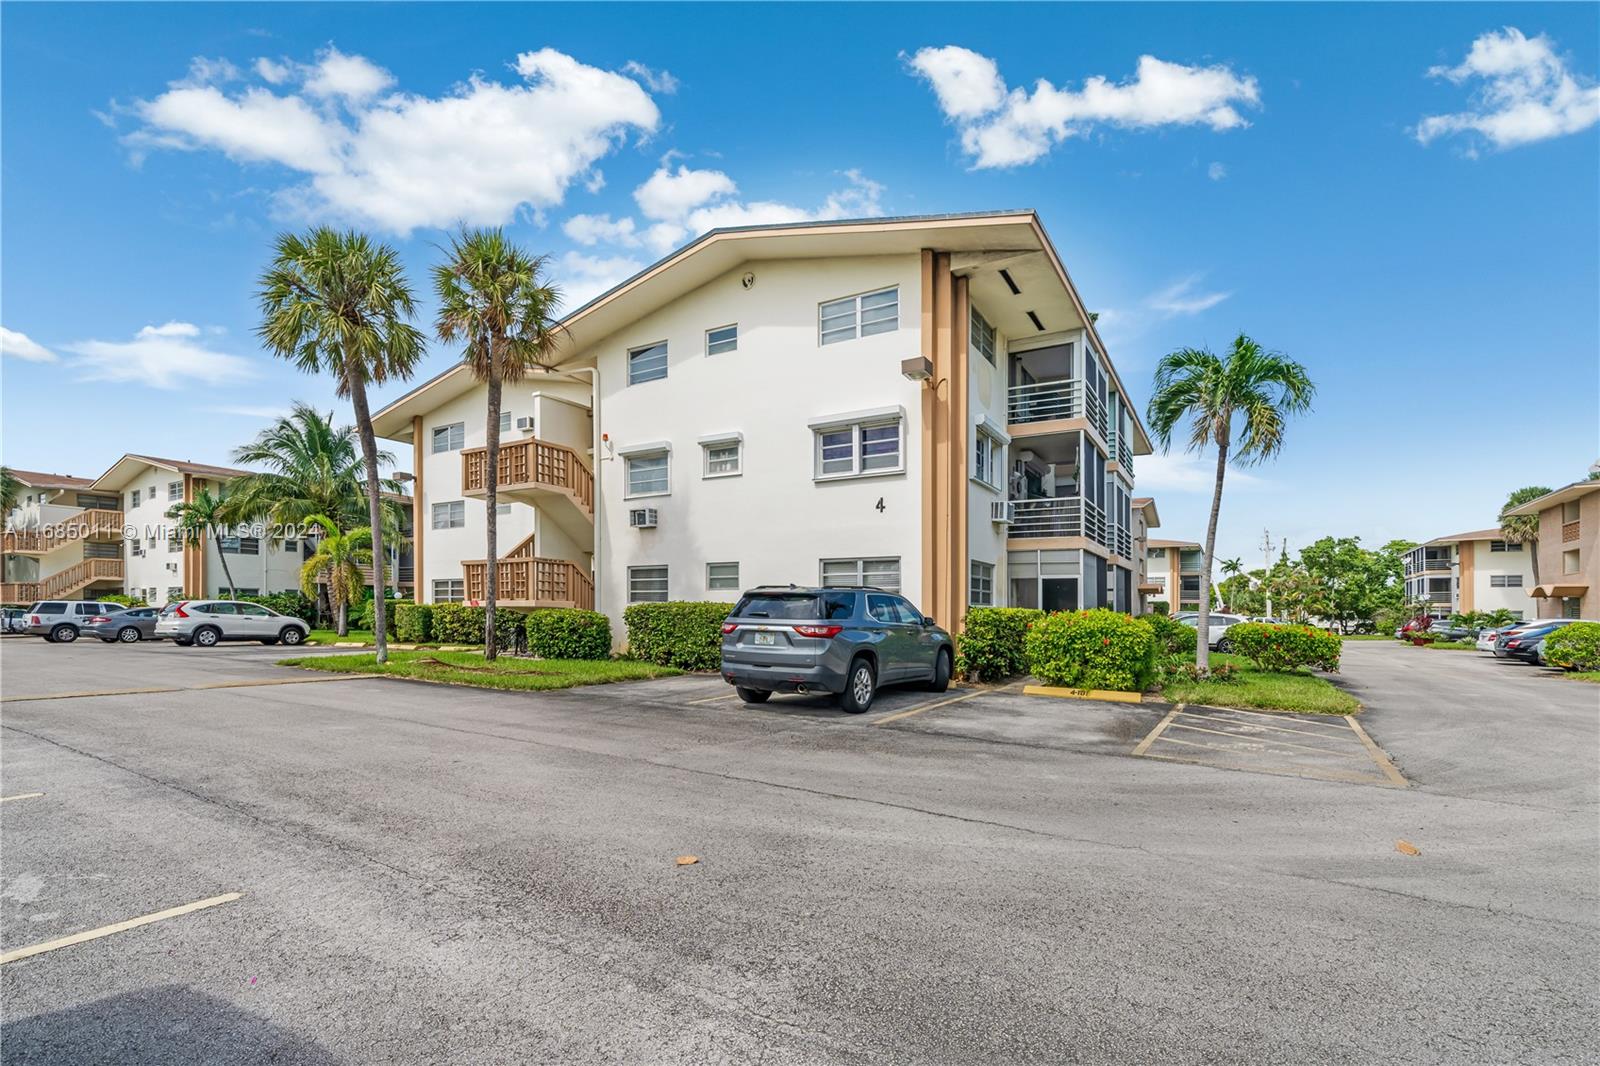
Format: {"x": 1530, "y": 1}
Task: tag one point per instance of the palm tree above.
{"x": 10, "y": 489}
{"x": 1523, "y": 528}
{"x": 1260, "y": 388}
{"x": 338, "y": 302}
{"x": 1230, "y": 567}
{"x": 493, "y": 296}
{"x": 208, "y": 514}
{"x": 337, "y": 563}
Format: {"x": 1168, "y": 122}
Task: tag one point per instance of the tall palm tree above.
{"x": 1259, "y": 388}
{"x": 494, "y": 297}
{"x": 208, "y": 514}
{"x": 1523, "y": 528}
{"x": 338, "y": 302}
{"x": 10, "y": 489}
{"x": 1229, "y": 567}
{"x": 337, "y": 564}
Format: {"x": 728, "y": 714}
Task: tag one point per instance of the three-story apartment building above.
{"x": 63, "y": 538}
{"x": 917, "y": 403}
{"x": 1172, "y": 569}
{"x": 1569, "y": 551}
{"x": 1475, "y": 571}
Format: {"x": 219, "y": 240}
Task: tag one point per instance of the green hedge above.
{"x": 686, "y": 635}
{"x": 568, "y": 633}
{"x": 367, "y": 616}
{"x": 413, "y": 622}
{"x": 994, "y": 644}
{"x": 294, "y": 603}
{"x": 1287, "y": 647}
{"x": 1173, "y": 639}
{"x": 126, "y": 601}
{"x": 1093, "y": 649}
{"x": 456, "y": 623}
{"x": 1575, "y": 646}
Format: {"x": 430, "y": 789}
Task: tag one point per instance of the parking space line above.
{"x": 1269, "y": 740}
{"x": 936, "y": 704}
{"x": 1351, "y": 777}
{"x": 258, "y": 682}
{"x": 713, "y": 699}
{"x": 1221, "y": 720}
{"x": 1161, "y": 727}
{"x": 1389, "y": 770}
{"x": 21, "y": 796}
{"x": 1282, "y": 716}
{"x": 119, "y": 927}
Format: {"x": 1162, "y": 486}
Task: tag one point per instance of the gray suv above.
{"x": 60, "y": 621}
{"x": 842, "y": 640}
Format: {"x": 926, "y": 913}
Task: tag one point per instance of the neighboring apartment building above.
{"x": 63, "y": 538}
{"x": 1145, "y": 518}
{"x": 917, "y": 403}
{"x": 1172, "y": 573}
{"x": 1569, "y": 562}
{"x": 1476, "y": 571}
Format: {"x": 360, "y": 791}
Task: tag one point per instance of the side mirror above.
{"x": 927, "y": 620}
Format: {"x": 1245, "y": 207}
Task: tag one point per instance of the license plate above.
{"x": 766, "y": 638}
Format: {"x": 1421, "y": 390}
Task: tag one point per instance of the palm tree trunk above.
{"x": 1202, "y": 646}
{"x": 369, "y": 454}
{"x": 342, "y": 626}
{"x": 324, "y": 608}
{"x": 226, "y": 573}
{"x": 491, "y": 484}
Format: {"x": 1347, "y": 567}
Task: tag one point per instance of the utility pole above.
{"x": 1266, "y": 580}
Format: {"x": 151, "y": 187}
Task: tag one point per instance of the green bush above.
{"x": 1093, "y": 649}
{"x": 1172, "y": 638}
{"x": 1287, "y": 647}
{"x": 367, "y": 616}
{"x": 413, "y": 622}
{"x": 994, "y": 644}
{"x": 686, "y": 635}
{"x": 1575, "y": 646}
{"x": 126, "y": 601}
{"x": 294, "y": 603}
{"x": 1161, "y": 607}
{"x": 568, "y": 633}
{"x": 457, "y": 623}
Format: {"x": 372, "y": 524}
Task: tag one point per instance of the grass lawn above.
{"x": 329, "y": 636}
{"x": 1302, "y": 692}
{"x": 1591, "y": 676}
{"x": 1453, "y": 645}
{"x": 468, "y": 668}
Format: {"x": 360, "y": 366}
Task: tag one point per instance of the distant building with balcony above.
{"x": 1172, "y": 573}
{"x": 1569, "y": 551}
{"x": 1475, "y": 571}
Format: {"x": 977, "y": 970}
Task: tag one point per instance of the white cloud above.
{"x": 265, "y": 412}
{"x": 1186, "y": 472}
{"x": 589, "y": 230}
{"x": 1182, "y": 298}
{"x": 1216, "y": 171}
{"x": 21, "y": 346}
{"x": 168, "y": 356}
{"x": 657, "y": 81}
{"x": 397, "y": 160}
{"x": 670, "y": 196}
{"x": 1528, "y": 93}
{"x": 583, "y": 277}
{"x": 1001, "y": 128}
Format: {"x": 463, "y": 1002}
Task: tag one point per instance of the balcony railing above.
{"x": 531, "y": 581}
{"x": 75, "y": 577}
{"x": 1122, "y": 543}
{"x": 1066, "y": 516}
{"x": 1414, "y": 566}
{"x": 84, "y": 525}
{"x": 1095, "y": 409}
{"x": 23, "y": 592}
{"x": 531, "y": 463}
{"x": 1044, "y": 401}
{"x": 1121, "y": 454}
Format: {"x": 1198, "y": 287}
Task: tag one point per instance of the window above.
{"x": 449, "y": 438}
{"x": 505, "y": 421}
{"x": 647, "y": 584}
{"x": 133, "y": 501}
{"x": 982, "y": 336}
{"x": 648, "y": 474}
{"x": 448, "y": 590}
{"x": 1571, "y": 607}
{"x": 174, "y": 490}
{"x": 883, "y": 573}
{"x": 859, "y": 316}
{"x": 1158, "y": 553}
{"x": 722, "y": 575}
{"x": 722, "y": 339}
{"x": 152, "y": 495}
{"x": 981, "y": 592}
{"x": 251, "y": 610}
{"x": 647, "y": 364}
{"x": 1569, "y": 561}
{"x": 723, "y": 458}
{"x": 502, "y": 508}
{"x": 239, "y": 545}
{"x": 1504, "y": 546}
{"x": 1569, "y": 511}
{"x": 174, "y": 592}
{"x": 862, "y": 448}
{"x": 986, "y": 459}
{"x": 1505, "y": 581}
{"x": 451, "y": 514}
{"x": 291, "y": 544}
{"x": 174, "y": 541}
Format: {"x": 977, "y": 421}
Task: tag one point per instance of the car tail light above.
{"x": 99, "y": 618}
{"x": 1513, "y": 643}
{"x": 179, "y": 611}
{"x": 33, "y": 620}
{"x": 819, "y": 631}
{"x": 729, "y": 627}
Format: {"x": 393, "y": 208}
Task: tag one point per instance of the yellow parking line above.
{"x": 1350, "y": 777}
{"x": 937, "y": 704}
{"x": 1388, "y": 768}
{"x": 107, "y": 930}
{"x": 21, "y": 796}
{"x": 193, "y": 688}
{"x": 1161, "y": 727}
{"x": 1284, "y": 716}
{"x": 1269, "y": 740}
{"x": 1222, "y": 719}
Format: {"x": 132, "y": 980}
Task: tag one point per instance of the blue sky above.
{"x": 1413, "y": 216}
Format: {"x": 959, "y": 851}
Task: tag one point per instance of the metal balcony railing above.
{"x": 1044, "y": 401}
{"x": 1047, "y": 518}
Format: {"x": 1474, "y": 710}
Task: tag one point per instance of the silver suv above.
{"x": 842, "y": 640}
{"x": 61, "y": 621}
{"x": 209, "y": 622}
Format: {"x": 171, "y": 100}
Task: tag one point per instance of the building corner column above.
{"x": 417, "y": 580}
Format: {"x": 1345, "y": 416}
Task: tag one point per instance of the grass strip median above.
{"x": 469, "y": 668}
{"x": 1300, "y": 691}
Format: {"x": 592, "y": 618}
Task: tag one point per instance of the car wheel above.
{"x": 1225, "y": 645}
{"x": 752, "y": 695}
{"x": 64, "y": 634}
{"x": 941, "y": 672}
{"x": 291, "y": 636}
{"x": 207, "y": 636}
{"x": 860, "y": 686}
{"x": 130, "y": 635}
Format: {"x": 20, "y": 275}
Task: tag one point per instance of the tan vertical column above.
{"x": 944, "y": 435}
{"x": 1468, "y": 576}
{"x": 944, "y": 385}
{"x": 930, "y": 400}
{"x": 416, "y": 511}
{"x": 193, "y": 551}
{"x": 960, "y": 455}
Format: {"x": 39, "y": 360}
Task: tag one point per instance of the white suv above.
{"x": 209, "y": 622}
{"x": 60, "y": 621}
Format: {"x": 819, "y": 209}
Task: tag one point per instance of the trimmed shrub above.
{"x": 1286, "y": 648}
{"x": 294, "y": 603}
{"x": 687, "y": 635}
{"x": 457, "y": 623}
{"x": 413, "y": 622}
{"x": 126, "y": 601}
{"x": 994, "y": 644}
{"x": 367, "y": 616}
{"x": 1161, "y": 607}
{"x": 1093, "y": 649}
{"x": 568, "y": 633}
{"x": 1575, "y": 646}
{"x": 1172, "y": 638}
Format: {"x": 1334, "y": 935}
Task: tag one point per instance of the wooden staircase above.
{"x": 63, "y": 584}
{"x": 526, "y": 580}
{"x": 91, "y": 524}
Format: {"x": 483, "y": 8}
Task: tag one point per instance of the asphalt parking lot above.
{"x": 402, "y": 872}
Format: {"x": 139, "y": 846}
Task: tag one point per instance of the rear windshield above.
{"x": 795, "y": 605}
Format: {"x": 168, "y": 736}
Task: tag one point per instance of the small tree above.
{"x": 337, "y": 563}
{"x": 207, "y": 514}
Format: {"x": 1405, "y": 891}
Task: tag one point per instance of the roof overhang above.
{"x": 1152, "y": 519}
{"x": 1576, "y": 490}
{"x": 123, "y": 469}
{"x": 1558, "y": 589}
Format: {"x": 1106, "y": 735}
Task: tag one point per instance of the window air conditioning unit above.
{"x": 1002, "y": 511}
{"x": 525, "y": 425}
{"x": 642, "y": 518}
{"x": 137, "y": 551}
{"x": 172, "y": 568}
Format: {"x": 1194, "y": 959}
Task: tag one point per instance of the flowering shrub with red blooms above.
{"x": 1093, "y": 649}
{"x": 993, "y": 644}
{"x": 1286, "y": 648}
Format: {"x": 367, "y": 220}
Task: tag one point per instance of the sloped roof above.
{"x": 121, "y": 470}
{"x": 35, "y": 479}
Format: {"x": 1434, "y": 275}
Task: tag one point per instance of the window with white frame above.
{"x": 449, "y": 438}
{"x": 174, "y": 490}
{"x": 1504, "y": 546}
{"x": 724, "y": 458}
{"x": 647, "y": 364}
{"x": 981, "y": 592}
{"x": 449, "y": 590}
{"x": 882, "y": 573}
{"x": 648, "y": 474}
{"x": 647, "y": 584}
{"x": 450, "y": 514}
{"x": 722, "y": 339}
{"x": 152, "y": 494}
{"x": 986, "y": 458}
{"x": 722, "y": 575}
{"x": 857, "y": 449}
{"x": 982, "y": 336}
{"x": 859, "y": 316}
{"x": 1505, "y": 581}
{"x": 134, "y": 500}
{"x": 505, "y": 421}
